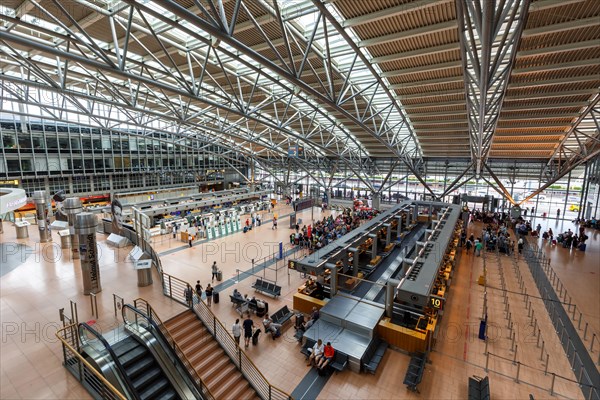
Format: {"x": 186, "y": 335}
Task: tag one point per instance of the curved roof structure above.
{"x": 347, "y": 81}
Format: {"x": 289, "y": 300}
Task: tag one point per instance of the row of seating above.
{"x": 374, "y": 355}
{"x": 339, "y": 362}
{"x": 250, "y": 305}
{"x": 282, "y": 315}
{"x": 414, "y": 374}
{"x": 237, "y": 301}
{"x": 479, "y": 388}
{"x": 266, "y": 287}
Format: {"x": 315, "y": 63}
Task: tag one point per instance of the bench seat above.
{"x": 479, "y": 388}
{"x": 414, "y": 373}
{"x": 340, "y": 361}
{"x": 282, "y": 315}
{"x": 374, "y": 355}
{"x": 266, "y": 287}
{"x": 307, "y": 345}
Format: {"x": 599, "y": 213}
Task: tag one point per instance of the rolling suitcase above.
{"x": 255, "y": 337}
{"x": 215, "y": 297}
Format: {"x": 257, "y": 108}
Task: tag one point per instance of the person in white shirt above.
{"x": 236, "y": 329}
{"x": 316, "y": 353}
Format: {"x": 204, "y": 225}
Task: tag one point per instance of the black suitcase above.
{"x": 255, "y": 337}
{"x": 215, "y": 297}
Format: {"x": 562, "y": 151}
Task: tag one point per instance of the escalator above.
{"x": 138, "y": 360}
{"x": 145, "y": 374}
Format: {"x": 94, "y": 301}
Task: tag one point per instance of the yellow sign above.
{"x": 13, "y": 182}
{"x": 436, "y": 302}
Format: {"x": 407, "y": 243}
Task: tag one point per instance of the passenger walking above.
{"x": 468, "y": 245}
{"x": 215, "y": 271}
{"x": 478, "y": 247}
{"x": 248, "y": 324}
{"x": 520, "y": 245}
{"x": 209, "y": 294}
{"x": 188, "y": 294}
{"x": 236, "y": 330}
{"x": 199, "y": 291}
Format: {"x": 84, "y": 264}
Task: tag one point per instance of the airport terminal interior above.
{"x": 300, "y": 199}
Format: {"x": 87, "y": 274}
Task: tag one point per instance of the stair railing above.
{"x": 175, "y": 289}
{"x": 81, "y": 369}
{"x": 147, "y": 313}
{"x": 105, "y": 347}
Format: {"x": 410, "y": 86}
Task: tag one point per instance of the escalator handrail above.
{"x": 113, "y": 355}
{"x": 201, "y": 388}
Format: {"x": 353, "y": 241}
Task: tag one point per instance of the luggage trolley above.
{"x": 243, "y": 308}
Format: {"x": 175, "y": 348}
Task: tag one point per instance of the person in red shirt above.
{"x": 327, "y": 357}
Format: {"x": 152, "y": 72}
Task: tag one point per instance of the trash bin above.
{"x": 21, "y": 229}
{"x": 219, "y": 275}
{"x": 215, "y": 297}
{"x": 65, "y": 239}
{"x": 144, "y": 272}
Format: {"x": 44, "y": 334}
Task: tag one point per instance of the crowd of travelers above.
{"x": 329, "y": 228}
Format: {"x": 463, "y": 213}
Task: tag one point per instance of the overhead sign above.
{"x": 436, "y": 302}
{"x": 296, "y": 151}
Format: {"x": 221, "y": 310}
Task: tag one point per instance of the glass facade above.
{"x": 78, "y": 159}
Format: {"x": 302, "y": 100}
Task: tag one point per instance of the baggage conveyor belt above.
{"x": 388, "y": 267}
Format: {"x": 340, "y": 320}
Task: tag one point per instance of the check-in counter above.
{"x": 406, "y": 339}
{"x": 305, "y": 304}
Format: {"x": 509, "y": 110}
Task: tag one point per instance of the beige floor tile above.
{"x": 30, "y": 357}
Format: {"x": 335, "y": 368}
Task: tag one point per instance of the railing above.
{"x": 82, "y": 370}
{"x": 145, "y": 246}
{"x": 575, "y": 350}
{"x": 241, "y": 360}
{"x": 98, "y": 343}
{"x": 153, "y": 322}
{"x": 512, "y": 366}
{"x": 583, "y": 326}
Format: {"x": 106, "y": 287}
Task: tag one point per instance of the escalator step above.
{"x": 154, "y": 388}
{"x": 133, "y": 355}
{"x": 124, "y": 346}
{"x": 147, "y": 377}
{"x": 168, "y": 394}
{"x": 139, "y": 367}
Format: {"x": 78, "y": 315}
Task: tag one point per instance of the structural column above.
{"x": 85, "y": 227}
{"x": 390, "y": 289}
{"x": 388, "y": 233}
{"x": 72, "y": 207}
{"x": 333, "y": 277}
{"x": 373, "y": 245}
{"x": 41, "y": 212}
{"x": 376, "y": 200}
{"x": 354, "y": 251}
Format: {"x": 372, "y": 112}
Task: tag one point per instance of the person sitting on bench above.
{"x": 299, "y": 323}
{"x": 308, "y": 324}
{"x": 328, "y": 353}
{"x": 252, "y": 303}
{"x": 315, "y": 352}
{"x": 272, "y": 327}
{"x": 237, "y": 295}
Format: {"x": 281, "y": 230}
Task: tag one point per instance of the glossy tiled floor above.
{"x": 30, "y": 296}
